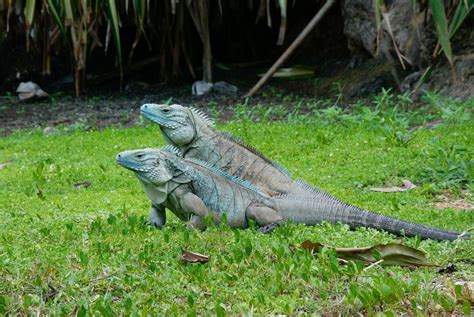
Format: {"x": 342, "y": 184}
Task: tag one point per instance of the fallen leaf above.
{"x": 193, "y": 257}
{"x": 457, "y": 204}
{"x": 468, "y": 290}
{"x": 313, "y": 246}
{"x": 5, "y": 164}
{"x": 385, "y": 254}
{"x": 407, "y": 185}
{"x": 292, "y": 72}
{"x": 82, "y": 184}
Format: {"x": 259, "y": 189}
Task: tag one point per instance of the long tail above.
{"x": 323, "y": 207}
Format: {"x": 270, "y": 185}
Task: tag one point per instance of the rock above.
{"x": 464, "y": 66}
{"x": 201, "y": 87}
{"x": 29, "y": 91}
{"x": 225, "y": 88}
{"x": 408, "y": 84}
{"x": 462, "y": 88}
{"x": 359, "y": 25}
{"x": 414, "y": 40}
{"x": 366, "y": 86}
{"x": 50, "y": 130}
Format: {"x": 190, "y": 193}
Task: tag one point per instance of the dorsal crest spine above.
{"x": 218, "y": 171}
{"x": 323, "y": 196}
{"x": 234, "y": 139}
{"x": 172, "y": 149}
{"x": 309, "y": 187}
{"x": 203, "y": 116}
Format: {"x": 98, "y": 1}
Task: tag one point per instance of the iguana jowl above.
{"x": 195, "y": 136}
{"x": 193, "y": 189}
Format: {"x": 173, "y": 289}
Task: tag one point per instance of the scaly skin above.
{"x": 195, "y": 136}
{"x": 194, "y": 189}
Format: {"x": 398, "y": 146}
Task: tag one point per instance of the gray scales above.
{"x": 194, "y": 189}
{"x": 196, "y": 137}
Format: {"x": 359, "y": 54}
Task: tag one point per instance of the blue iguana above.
{"x": 194, "y": 189}
{"x": 194, "y": 134}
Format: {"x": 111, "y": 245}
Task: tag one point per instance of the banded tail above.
{"x": 313, "y": 210}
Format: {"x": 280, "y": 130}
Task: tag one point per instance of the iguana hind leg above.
{"x": 196, "y": 222}
{"x": 262, "y": 214}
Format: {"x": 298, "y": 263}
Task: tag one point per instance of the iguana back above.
{"x": 194, "y": 134}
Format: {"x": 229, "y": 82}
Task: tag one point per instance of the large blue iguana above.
{"x": 195, "y": 136}
{"x": 194, "y": 189}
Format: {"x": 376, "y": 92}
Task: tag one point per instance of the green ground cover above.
{"x": 68, "y": 250}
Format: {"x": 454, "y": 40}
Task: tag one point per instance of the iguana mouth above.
{"x": 159, "y": 120}
{"x": 133, "y": 166}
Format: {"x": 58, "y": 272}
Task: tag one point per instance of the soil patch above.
{"x": 100, "y": 109}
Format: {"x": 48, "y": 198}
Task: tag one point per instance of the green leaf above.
{"x": 441, "y": 24}
{"x": 68, "y": 11}
{"x": 462, "y": 11}
{"x": 82, "y": 311}
{"x": 29, "y": 12}
{"x": 3, "y": 304}
{"x": 54, "y": 12}
{"x": 466, "y": 308}
{"x": 114, "y": 22}
{"x": 378, "y": 4}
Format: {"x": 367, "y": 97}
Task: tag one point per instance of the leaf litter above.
{"x": 384, "y": 254}
{"x": 5, "y": 164}
{"x": 407, "y": 185}
{"x": 193, "y": 257}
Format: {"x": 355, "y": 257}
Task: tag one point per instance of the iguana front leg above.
{"x": 193, "y": 205}
{"x": 157, "y": 216}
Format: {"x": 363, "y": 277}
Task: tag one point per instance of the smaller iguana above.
{"x": 193, "y": 190}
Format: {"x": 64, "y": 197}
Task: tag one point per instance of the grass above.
{"x": 85, "y": 251}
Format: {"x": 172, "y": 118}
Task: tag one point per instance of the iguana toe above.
{"x": 152, "y": 224}
{"x": 269, "y": 228}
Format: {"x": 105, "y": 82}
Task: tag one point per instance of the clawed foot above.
{"x": 152, "y": 224}
{"x": 270, "y": 227}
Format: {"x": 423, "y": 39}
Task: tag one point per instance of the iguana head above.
{"x": 159, "y": 170}
{"x": 180, "y": 125}
{"x": 148, "y": 164}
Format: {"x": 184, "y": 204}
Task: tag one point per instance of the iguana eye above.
{"x": 140, "y": 155}
{"x": 166, "y": 110}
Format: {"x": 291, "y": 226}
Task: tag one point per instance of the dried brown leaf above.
{"x": 5, "y": 164}
{"x": 407, "y": 185}
{"x": 385, "y": 254}
{"x": 82, "y": 184}
{"x": 457, "y": 204}
{"x": 193, "y": 257}
{"x": 468, "y": 290}
{"x": 313, "y": 246}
